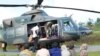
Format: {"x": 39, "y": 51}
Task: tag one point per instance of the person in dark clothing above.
{"x": 55, "y": 50}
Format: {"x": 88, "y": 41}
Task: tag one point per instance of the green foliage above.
{"x": 96, "y": 28}
{"x": 97, "y": 23}
{"x": 93, "y": 39}
{"x": 98, "y": 20}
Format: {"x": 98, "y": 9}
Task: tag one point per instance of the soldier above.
{"x": 48, "y": 29}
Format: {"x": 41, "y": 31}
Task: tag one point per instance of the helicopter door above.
{"x": 66, "y": 29}
{"x": 65, "y": 26}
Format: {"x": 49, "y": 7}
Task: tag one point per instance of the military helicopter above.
{"x": 17, "y": 30}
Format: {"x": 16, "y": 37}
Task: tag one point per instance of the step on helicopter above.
{"x": 17, "y": 30}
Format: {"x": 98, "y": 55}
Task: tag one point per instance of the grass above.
{"x": 97, "y": 53}
{"x": 11, "y": 54}
{"x": 94, "y": 53}
{"x": 93, "y": 39}
{"x": 9, "y": 47}
{"x": 3, "y": 54}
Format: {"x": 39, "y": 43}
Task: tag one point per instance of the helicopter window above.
{"x": 18, "y": 21}
{"x": 32, "y": 17}
{"x": 67, "y": 26}
{"x": 21, "y": 21}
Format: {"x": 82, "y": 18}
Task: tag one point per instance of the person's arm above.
{"x": 30, "y": 38}
{"x": 48, "y": 53}
{"x": 23, "y": 55}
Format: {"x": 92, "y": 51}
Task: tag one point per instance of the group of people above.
{"x": 39, "y": 32}
{"x": 47, "y": 30}
{"x": 55, "y": 50}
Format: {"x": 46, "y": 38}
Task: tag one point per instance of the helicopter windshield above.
{"x": 67, "y": 26}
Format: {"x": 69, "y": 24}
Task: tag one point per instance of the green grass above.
{"x": 94, "y": 53}
{"x": 93, "y": 39}
{"x": 9, "y": 47}
{"x": 3, "y": 54}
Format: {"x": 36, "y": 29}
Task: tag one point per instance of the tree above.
{"x": 97, "y": 23}
{"x": 98, "y": 20}
{"x": 90, "y": 23}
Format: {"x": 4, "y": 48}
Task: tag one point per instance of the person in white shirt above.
{"x": 35, "y": 30}
{"x": 33, "y": 38}
{"x": 42, "y": 51}
{"x": 65, "y": 51}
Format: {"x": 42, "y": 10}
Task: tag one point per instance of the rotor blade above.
{"x": 9, "y": 5}
{"x": 39, "y": 2}
{"x": 72, "y": 9}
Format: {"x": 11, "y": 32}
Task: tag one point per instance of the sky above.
{"x": 78, "y": 16}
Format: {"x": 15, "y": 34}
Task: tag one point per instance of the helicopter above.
{"x": 17, "y": 30}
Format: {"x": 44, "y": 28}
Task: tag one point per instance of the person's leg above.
{"x": 36, "y": 43}
{"x": 5, "y": 46}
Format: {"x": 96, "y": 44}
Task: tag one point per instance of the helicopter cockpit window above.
{"x": 68, "y": 26}
{"x": 21, "y": 21}
{"x": 8, "y": 23}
